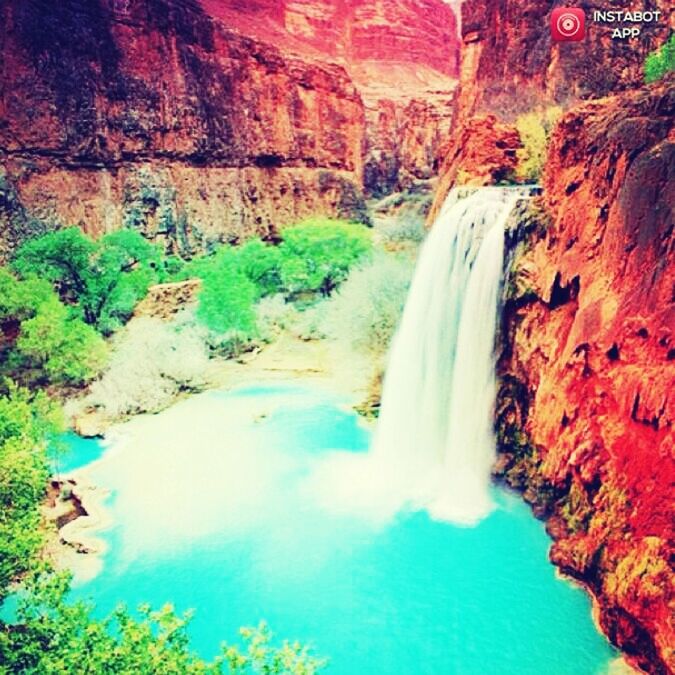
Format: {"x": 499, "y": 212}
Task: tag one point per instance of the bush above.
{"x": 226, "y": 303}
{"x": 51, "y": 341}
{"x": 58, "y": 637}
{"x": 152, "y": 362}
{"x": 661, "y": 61}
{"x": 317, "y": 255}
{"x": 534, "y": 129}
{"x": 65, "y": 348}
{"x": 27, "y": 423}
{"x": 366, "y": 310}
{"x": 261, "y": 263}
{"x": 105, "y": 279}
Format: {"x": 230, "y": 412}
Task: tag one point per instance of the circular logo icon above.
{"x": 568, "y": 25}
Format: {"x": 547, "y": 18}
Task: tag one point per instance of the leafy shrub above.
{"x": 366, "y": 310}
{"x": 26, "y": 424}
{"x": 152, "y": 362}
{"x": 59, "y": 637}
{"x": 226, "y": 304}
{"x": 534, "y": 129}
{"x": 317, "y": 255}
{"x": 661, "y": 61}
{"x": 261, "y": 263}
{"x": 105, "y": 279}
{"x": 20, "y": 299}
{"x": 52, "y": 341}
{"x": 65, "y": 348}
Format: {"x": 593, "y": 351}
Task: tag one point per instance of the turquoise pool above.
{"x": 212, "y": 512}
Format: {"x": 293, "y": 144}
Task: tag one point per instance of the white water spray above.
{"x": 435, "y": 432}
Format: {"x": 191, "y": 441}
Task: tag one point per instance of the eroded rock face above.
{"x": 586, "y": 406}
{"x": 154, "y": 115}
{"x": 510, "y": 64}
{"x": 482, "y": 152}
{"x": 209, "y": 120}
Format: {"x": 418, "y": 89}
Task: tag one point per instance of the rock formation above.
{"x": 586, "y": 407}
{"x": 510, "y": 64}
{"x": 201, "y": 122}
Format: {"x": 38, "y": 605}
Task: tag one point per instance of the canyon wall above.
{"x": 162, "y": 119}
{"x": 202, "y": 122}
{"x": 586, "y": 405}
{"x": 403, "y": 56}
{"x": 510, "y": 64}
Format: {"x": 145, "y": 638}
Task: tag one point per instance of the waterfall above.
{"x": 435, "y": 432}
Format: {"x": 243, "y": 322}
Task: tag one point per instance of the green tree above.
{"x": 226, "y": 301}
{"x": 27, "y": 423}
{"x": 261, "y": 264}
{"x": 661, "y": 61}
{"x": 317, "y": 255}
{"x": 105, "y": 279}
{"x": 53, "y": 343}
{"x": 65, "y": 348}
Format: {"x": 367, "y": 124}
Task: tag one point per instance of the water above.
{"x": 215, "y": 508}
{"x": 73, "y": 452}
{"x": 434, "y": 438}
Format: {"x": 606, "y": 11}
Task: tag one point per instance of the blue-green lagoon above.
{"x": 221, "y": 504}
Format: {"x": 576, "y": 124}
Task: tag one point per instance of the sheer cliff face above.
{"x": 509, "y": 62}
{"x": 419, "y": 32}
{"x": 195, "y": 122}
{"x": 586, "y": 409}
{"x": 161, "y": 119}
{"x": 403, "y": 56}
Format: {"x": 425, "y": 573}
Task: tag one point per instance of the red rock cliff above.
{"x": 403, "y": 56}
{"x": 199, "y": 122}
{"x": 586, "y": 407}
{"x": 510, "y": 64}
{"x": 152, "y": 114}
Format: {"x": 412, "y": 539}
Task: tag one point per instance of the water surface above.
{"x": 215, "y": 508}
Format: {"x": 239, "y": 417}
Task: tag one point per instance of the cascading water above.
{"x": 435, "y": 432}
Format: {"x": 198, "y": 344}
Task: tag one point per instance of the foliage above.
{"x": 406, "y": 229}
{"x": 534, "y": 129}
{"x": 152, "y": 362}
{"x": 661, "y": 61}
{"x": 105, "y": 279}
{"x": 67, "y": 350}
{"x": 226, "y": 303}
{"x": 57, "y": 637}
{"x": 317, "y": 255}
{"x": 261, "y": 263}
{"x": 52, "y": 342}
{"x": 313, "y": 257}
{"x": 20, "y": 300}
{"x": 367, "y": 308}
{"x": 26, "y": 424}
